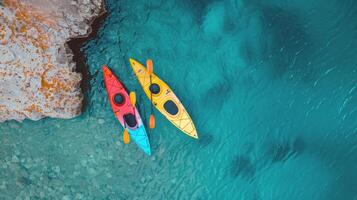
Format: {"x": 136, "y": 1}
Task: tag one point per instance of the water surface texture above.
{"x": 271, "y": 86}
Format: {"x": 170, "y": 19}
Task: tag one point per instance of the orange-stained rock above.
{"x": 37, "y": 77}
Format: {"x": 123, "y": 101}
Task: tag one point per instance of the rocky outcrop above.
{"x": 37, "y": 74}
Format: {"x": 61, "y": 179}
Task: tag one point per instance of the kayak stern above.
{"x": 140, "y": 137}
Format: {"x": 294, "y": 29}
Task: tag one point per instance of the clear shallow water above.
{"x": 270, "y": 85}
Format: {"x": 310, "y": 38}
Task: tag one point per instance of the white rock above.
{"x": 79, "y": 196}
{"x": 57, "y": 169}
{"x": 15, "y": 159}
{"x": 66, "y": 197}
{"x": 101, "y": 121}
{"x": 91, "y": 171}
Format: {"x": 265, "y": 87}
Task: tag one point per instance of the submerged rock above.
{"x": 37, "y": 74}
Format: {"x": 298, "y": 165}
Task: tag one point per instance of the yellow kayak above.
{"x": 164, "y": 99}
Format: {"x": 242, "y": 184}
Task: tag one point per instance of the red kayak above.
{"x": 126, "y": 113}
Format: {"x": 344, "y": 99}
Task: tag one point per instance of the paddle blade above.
{"x": 126, "y": 136}
{"x": 150, "y": 66}
{"x": 152, "y": 121}
{"x": 132, "y": 96}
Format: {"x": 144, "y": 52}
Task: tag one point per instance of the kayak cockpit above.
{"x": 154, "y": 88}
{"x": 119, "y": 99}
{"x": 130, "y": 120}
{"x": 171, "y": 107}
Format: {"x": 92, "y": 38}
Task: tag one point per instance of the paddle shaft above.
{"x": 151, "y": 107}
{"x": 149, "y": 65}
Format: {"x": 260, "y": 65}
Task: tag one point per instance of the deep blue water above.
{"x": 271, "y": 86}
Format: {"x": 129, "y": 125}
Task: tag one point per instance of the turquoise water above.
{"x": 270, "y": 85}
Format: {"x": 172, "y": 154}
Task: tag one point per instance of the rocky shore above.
{"x": 38, "y": 76}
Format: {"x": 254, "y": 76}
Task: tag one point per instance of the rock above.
{"x": 15, "y": 159}
{"x": 37, "y": 74}
{"x": 101, "y": 121}
{"x": 56, "y": 169}
{"x": 66, "y": 197}
{"x": 79, "y": 196}
{"x": 91, "y": 171}
{"x": 3, "y": 185}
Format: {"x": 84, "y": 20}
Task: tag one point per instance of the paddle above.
{"x": 126, "y": 136}
{"x": 150, "y": 67}
{"x": 132, "y": 96}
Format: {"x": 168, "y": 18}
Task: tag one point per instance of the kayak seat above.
{"x": 130, "y": 120}
{"x": 171, "y": 107}
{"x": 154, "y": 88}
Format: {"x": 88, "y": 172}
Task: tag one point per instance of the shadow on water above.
{"x": 242, "y": 166}
{"x": 205, "y": 139}
{"x": 290, "y": 42}
{"x": 248, "y": 51}
{"x": 218, "y": 93}
{"x": 340, "y": 155}
{"x": 197, "y": 8}
{"x": 285, "y": 43}
{"x": 279, "y": 152}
